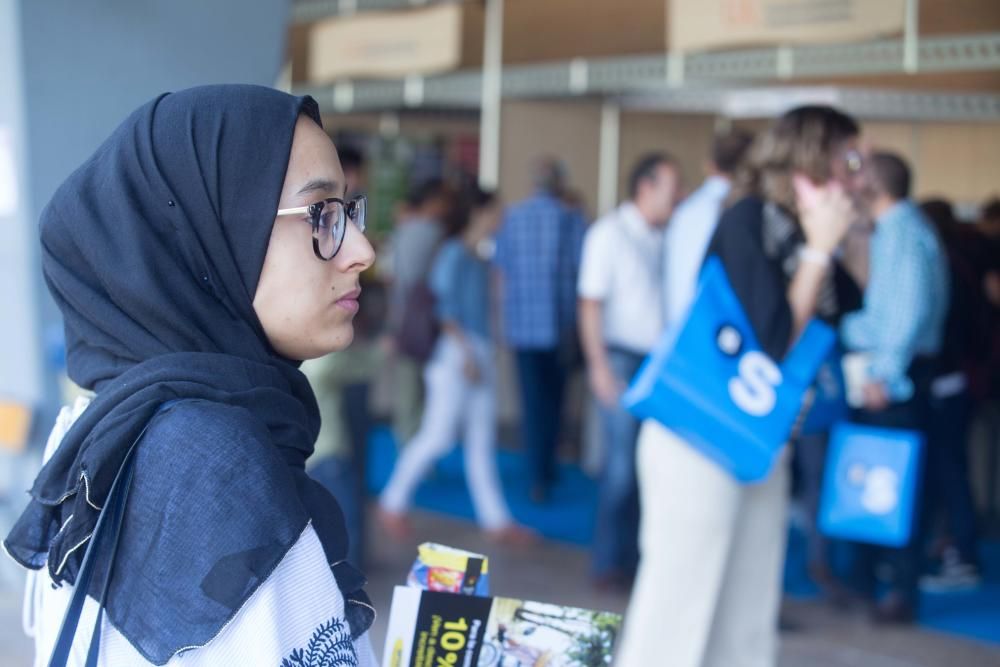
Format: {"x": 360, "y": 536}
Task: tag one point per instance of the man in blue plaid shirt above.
{"x": 906, "y": 300}
{"x": 538, "y": 259}
{"x": 900, "y": 329}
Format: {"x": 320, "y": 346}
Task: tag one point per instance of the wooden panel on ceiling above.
{"x": 544, "y": 30}
{"x": 547, "y": 30}
{"x": 298, "y": 51}
{"x": 948, "y": 17}
{"x": 540, "y": 30}
{"x": 983, "y": 82}
{"x": 473, "y": 15}
{"x": 697, "y": 25}
{"x": 387, "y": 44}
{"x": 470, "y": 38}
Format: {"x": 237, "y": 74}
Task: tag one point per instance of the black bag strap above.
{"x": 107, "y": 529}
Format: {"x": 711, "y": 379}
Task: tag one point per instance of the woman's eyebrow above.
{"x": 319, "y": 184}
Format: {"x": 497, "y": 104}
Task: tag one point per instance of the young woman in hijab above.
{"x": 709, "y": 584}
{"x": 199, "y": 255}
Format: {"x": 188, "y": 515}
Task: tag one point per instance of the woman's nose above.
{"x": 356, "y": 254}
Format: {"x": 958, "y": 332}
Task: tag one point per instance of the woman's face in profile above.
{"x": 306, "y": 305}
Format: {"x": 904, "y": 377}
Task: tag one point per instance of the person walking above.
{"x": 461, "y": 383}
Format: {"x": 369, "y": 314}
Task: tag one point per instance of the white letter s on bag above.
{"x": 753, "y": 389}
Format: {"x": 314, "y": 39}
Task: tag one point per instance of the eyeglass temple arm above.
{"x": 293, "y": 211}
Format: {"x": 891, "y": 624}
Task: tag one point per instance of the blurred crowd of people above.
{"x": 809, "y": 222}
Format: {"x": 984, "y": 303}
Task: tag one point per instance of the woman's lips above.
{"x": 349, "y": 301}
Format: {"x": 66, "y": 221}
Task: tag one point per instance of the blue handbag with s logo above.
{"x": 710, "y": 382}
{"x": 870, "y": 484}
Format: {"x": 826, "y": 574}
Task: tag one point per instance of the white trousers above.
{"x": 708, "y": 588}
{"x": 452, "y": 403}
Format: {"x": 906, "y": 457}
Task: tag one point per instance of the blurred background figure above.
{"x": 460, "y": 380}
{"x": 355, "y": 177}
{"x": 900, "y": 329}
{"x": 986, "y": 264}
{"x": 537, "y": 262}
{"x": 985, "y": 376}
{"x": 948, "y": 492}
{"x": 693, "y": 224}
{"x": 414, "y": 243}
{"x": 709, "y": 584}
{"x": 621, "y": 319}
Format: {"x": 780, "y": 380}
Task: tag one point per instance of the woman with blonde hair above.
{"x": 709, "y": 582}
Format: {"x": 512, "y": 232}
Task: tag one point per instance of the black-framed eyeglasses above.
{"x": 328, "y": 218}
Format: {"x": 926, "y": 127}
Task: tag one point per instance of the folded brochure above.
{"x": 433, "y": 629}
{"x": 449, "y": 570}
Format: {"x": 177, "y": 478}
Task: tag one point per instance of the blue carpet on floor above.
{"x": 971, "y": 613}
{"x": 569, "y": 517}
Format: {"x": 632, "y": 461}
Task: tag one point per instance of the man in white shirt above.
{"x": 621, "y": 317}
{"x": 693, "y": 224}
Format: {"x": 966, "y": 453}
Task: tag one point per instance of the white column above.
{"x": 489, "y": 116}
{"x": 911, "y": 37}
{"x": 607, "y": 176}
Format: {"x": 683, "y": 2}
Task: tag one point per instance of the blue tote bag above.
{"x": 710, "y": 382}
{"x": 870, "y": 484}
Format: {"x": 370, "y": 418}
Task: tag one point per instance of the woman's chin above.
{"x": 341, "y": 340}
{"x": 317, "y": 348}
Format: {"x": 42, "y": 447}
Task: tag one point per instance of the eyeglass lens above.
{"x": 328, "y": 228}
{"x": 330, "y": 224}
{"x": 357, "y": 210}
